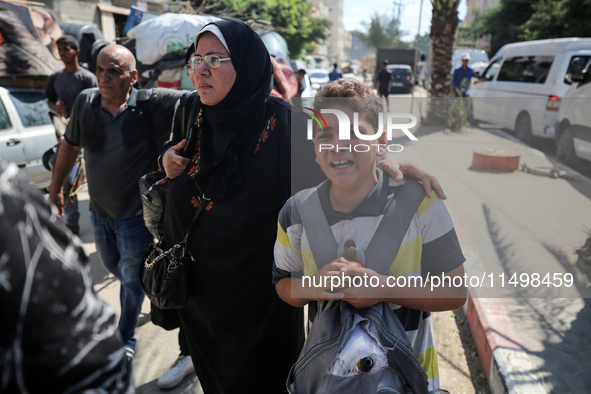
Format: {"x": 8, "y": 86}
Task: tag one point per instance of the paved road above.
{"x": 519, "y": 223}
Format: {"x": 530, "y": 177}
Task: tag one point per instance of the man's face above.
{"x": 465, "y": 62}
{"x": 113, "y": 75}
{"x": 347, "y": 169}
{"x": 67, "y": 54}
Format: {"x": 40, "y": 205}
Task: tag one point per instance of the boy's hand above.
{"x": 396, "y": 169}
{"x": 366, "y": 295}
{"x": 329, "y": 270}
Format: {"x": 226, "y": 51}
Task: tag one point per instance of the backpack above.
{"x": 351, "y": 350}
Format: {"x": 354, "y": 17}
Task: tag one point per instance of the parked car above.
{"x": 402, "y": 78}
{"x": 318, "y": 77}
{"x": 573, "y": 128}
{"x": 26, "y": 131}
{"x": 523, "y": 86}
{"x": 308, "y": 90}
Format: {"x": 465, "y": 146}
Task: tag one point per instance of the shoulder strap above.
{"x": 386, "y": 240}
{"x": 186, "y": 122}
{"x": 388, "y": 237}
{"x": 322, "y": 242}
{"x": 143, "y": 99}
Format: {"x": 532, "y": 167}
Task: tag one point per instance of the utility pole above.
{"x": 416, "y": 68}
{"x": 397, "y": 9}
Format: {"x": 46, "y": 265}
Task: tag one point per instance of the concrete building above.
{"x": 338, "y": 39}
{"x": 480, "y": 6}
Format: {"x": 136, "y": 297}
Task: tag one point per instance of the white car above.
{"x": 308, "y": 90}
{"x": 318, "y": 77}
{"x": 26, "y": 132}
{"x": 573, "y": 127}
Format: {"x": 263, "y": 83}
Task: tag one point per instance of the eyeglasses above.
{"x": 211, "y": 61}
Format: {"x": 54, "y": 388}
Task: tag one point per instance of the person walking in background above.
{"x": 57, "y": 335}
{"x": 61, "y": 91}
{"x": 334, "y": 74}
{"x": 462, "y": 76}
{"x": 384, "y": 82}
{"x": 121, "y": 130}
{"x": 300, "y": 75}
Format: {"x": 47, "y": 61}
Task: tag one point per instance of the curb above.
{"x": 506, "y": 364}
{"x": 503, "y": 357}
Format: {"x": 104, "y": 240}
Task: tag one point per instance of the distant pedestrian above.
{"x": 61, "y": 91}
{"x": 121, "y": 130}
{"x": 462, "y": 76}
{"x": 422, "y": 72}
{"x": 384, "y": 81}
{"x": 300, "y": 75}
{"x": 335, "y": 74}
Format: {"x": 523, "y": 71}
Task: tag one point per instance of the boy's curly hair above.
{"x": 359, "y": 97}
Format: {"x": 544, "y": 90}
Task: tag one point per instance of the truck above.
{"x": 395, "y": 56}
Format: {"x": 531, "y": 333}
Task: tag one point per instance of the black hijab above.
{"x": 232, "y": 126}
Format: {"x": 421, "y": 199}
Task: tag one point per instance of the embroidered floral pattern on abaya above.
{"x": 269, "y": 126}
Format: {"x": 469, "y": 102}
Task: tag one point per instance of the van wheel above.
{"x": 523, "y": 129}
{"x": 566, "y": 149}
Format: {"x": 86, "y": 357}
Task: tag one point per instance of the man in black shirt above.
{"x": 384, "y": 81}
{"x": 121, "y": 130}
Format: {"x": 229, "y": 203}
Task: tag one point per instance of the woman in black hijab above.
{"x": 242, "y": 337}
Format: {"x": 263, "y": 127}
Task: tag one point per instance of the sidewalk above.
{"x": 531, "y": 340}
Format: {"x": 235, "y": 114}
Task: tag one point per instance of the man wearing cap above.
{"x": 461, "y": 78}
{"x": 61, "y": 91}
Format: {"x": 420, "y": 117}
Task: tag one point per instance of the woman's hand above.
{"x": 396, "y": 169}
{"x": 173, "y": 161}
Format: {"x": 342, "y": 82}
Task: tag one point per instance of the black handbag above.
{"x": 154, "y": 185}
{"x": 153, "y": 189}
{"x": 164, "y": 273}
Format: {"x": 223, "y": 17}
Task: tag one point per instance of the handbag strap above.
{"x": 203, "y": 202}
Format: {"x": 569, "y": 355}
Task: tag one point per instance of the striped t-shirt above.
{"x": 430, "y": 246}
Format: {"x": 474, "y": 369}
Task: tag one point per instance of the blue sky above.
{"x": 356, "y": 11}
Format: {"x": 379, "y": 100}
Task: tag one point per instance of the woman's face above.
{"x": 212, "y": 84}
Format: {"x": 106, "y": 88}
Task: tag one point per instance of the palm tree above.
{"x": 383, "y": 31}
{"x": 443, "y": 28}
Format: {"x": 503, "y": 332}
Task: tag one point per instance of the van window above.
{"x": 31, "y": 108}
{"x": 528, "y": 69}
{"x": 492, "y": 69}
{"x": 576, "y": 65}
{"x": 4, "y": 119}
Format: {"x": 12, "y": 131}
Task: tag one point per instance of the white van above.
{"x": 523, "y": 86}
